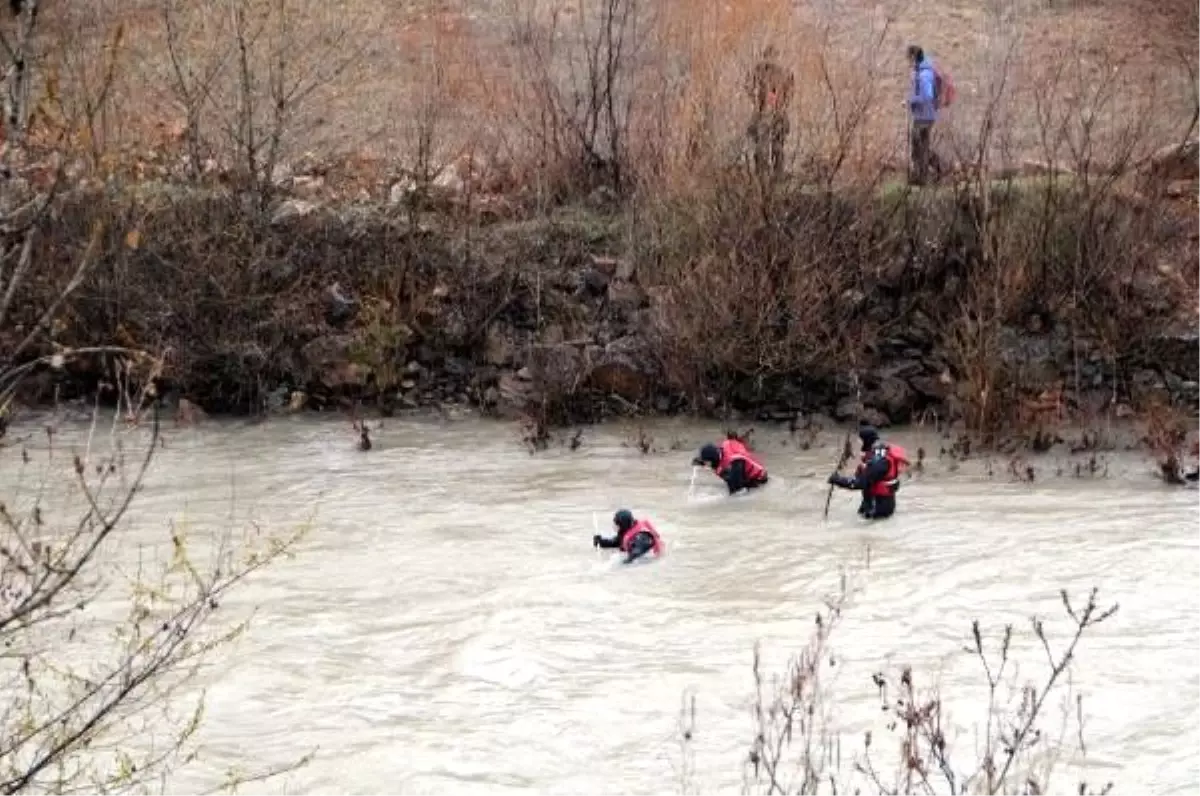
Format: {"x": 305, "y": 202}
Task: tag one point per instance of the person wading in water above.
{"x": 635, "y": 538}
{"x": 877, "y": 476}
{"x": 734, "y": 464}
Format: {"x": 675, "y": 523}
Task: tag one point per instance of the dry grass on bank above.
{"x": 403, "y": 83}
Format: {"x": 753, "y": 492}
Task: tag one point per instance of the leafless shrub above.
{"x": 762, "y": 298}
{"x": 1166, "y": 435}
{"x": 791, "y": 716}
{"x": 241, "y": 71}
{"x": 1015, "y": 753}
{"x": 795, "y": 751}
{"x": 78, "y": 687}
{"x": 20, "y": 49}
{"x": 74, "y": 703}
{"x": 78, "y": 86}
{"x": 575, "y": 83}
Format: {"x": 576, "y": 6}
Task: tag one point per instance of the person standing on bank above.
{"x": 923, "y": 106}
{"x": 770, "y": 88}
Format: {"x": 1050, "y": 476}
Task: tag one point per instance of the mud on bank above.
{"x": 1039, "y": 299}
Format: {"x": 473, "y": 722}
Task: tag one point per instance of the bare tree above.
{"x": 846, "y": 102}
{"x": 18, "y": 45}
{"x": 791, "y": 714}
{"x": 243, "y": 83}
{"x": 579, "y": 80}
{"x": 93, "y": 702}
{"x": 197, "y": 55}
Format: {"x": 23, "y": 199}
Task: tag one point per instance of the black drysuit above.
{"x": 872, "y": 507}
{"x": 641, "y": 544}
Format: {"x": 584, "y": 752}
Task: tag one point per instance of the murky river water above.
{"x": 447, "y": 627}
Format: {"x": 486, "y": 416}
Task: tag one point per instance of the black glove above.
{"x": 596, "y": 540}
{"x": 840, "y": 480}
{"x": 697, "y": 462}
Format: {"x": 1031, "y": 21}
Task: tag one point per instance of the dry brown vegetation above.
{"x": 797, "y": 746}
{"x": 533, "y": 81}
{"x": 571, "y": 214}
{"x": 1025, "y": 288}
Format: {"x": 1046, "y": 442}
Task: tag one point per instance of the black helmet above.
{"x": 868, "y": 435}
{"x": 709, "y": 453}
{"x": 623, "y": 519}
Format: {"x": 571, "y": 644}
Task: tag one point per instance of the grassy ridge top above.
{"x": 405, "y": 82}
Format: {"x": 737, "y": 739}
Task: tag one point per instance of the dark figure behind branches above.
{"x": 770, "y": 88}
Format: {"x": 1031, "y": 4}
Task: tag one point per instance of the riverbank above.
{"x": 893, "y": 305}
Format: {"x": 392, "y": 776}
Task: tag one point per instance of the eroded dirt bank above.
{"x": 894, "y": 306}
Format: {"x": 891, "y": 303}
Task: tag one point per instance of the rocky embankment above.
{"x": 565, "y": 318}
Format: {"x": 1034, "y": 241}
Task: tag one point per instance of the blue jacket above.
{"x": 920, "y": 100}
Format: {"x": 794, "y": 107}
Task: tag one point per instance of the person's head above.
{"x": 710, "y": 455}
{"x": 869, "y": 437}
{"x": 915, "y": 55}
{"x": 623, "y": 519}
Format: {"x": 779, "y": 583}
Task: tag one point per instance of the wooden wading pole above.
{"x": 847, "y": 451}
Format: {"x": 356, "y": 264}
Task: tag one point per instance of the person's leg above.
{"x": 866, "y": 506}
{"x": 779, "y": 133}
{"x": 931, "y": 155}
{"x": 756, "y": 484}
{"x": 912, "y": 152}
{"x": 919, "y": 140}
{"x": 758, "y": 143}
{"x": 884, "y": 507}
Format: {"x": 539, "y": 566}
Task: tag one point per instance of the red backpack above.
{"x": 943, "y": 88}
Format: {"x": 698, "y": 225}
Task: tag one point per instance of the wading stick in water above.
{"x": 847, "y": 451}
{"x": 842, "y": 459}
{"x": 692, "y": 484}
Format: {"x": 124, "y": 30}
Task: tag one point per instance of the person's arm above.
{"x": 749, "y": 85}
{"x": 607, "y": 544}
{"x": 789, "y": 84}
{"x": 865, "y": 478}
{"x": 843, "y": 481}
{"x": 873, "y": 473}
